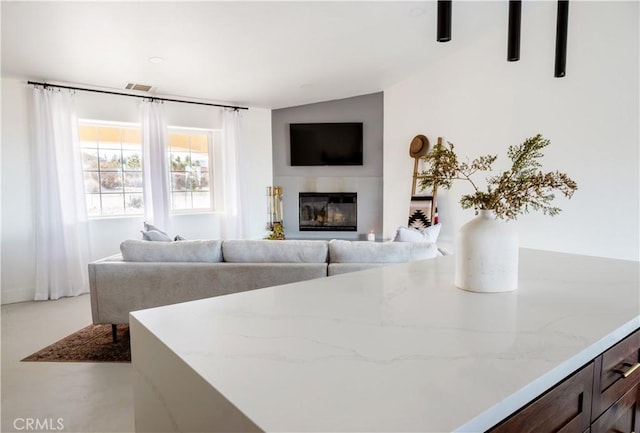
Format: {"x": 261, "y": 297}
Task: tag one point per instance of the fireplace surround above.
{"x": 328, "y": 211}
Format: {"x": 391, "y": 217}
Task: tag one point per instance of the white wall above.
{"x": 476, "y": 99}
{"x": 18, "y": 242}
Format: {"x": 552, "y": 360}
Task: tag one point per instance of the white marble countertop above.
{"x": 399, "y": 348}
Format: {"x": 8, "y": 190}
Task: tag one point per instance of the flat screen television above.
{"x": 326, "y": 143}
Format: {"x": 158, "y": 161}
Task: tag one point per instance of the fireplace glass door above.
{"x": 331, "y": 211}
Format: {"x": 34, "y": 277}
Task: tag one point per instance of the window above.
{"x": 189, "y": 167}
{"x": 112, "y": 164}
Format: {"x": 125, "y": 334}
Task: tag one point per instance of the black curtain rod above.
{"x": 153, "y": 98}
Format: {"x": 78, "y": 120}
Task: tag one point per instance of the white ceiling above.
{"x": 262, "y": 54}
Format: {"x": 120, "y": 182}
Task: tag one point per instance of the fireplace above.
{"x": 328, "y": 211}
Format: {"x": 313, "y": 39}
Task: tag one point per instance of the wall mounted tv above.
{"x": 326, "y": 144}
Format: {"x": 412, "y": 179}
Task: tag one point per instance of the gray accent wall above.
{"x": 366, "y": 180}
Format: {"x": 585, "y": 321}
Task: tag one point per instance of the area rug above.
{"x": 91, "y": 344}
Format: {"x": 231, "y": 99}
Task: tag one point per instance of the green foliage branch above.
{"x": 522, "y": 188}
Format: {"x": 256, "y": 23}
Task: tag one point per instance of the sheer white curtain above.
{"x": 232, "y": 223}
{"x": 62, "y": 239}
{"x": 155, "y": 166}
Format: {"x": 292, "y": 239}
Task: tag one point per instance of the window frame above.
{"x": 213, "y": 169}
{"x": 117, "y": 124}
{"x": 214, "y": 137}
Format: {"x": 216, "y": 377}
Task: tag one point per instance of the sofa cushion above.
{"x": 119, "y": 288}
{"x": 183, "y": 251}
{"x": 345, "y": 268}
{"x": 266, "y": 251}
{"x": 375, "y": 252}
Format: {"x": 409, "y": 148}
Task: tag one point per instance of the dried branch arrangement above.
{"x": 522, "y": 188}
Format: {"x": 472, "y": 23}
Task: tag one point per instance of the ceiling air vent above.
{"x": 140, "y": 87}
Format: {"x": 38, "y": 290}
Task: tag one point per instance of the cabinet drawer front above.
{"x": 564, "y": 409}
{"x": 610, "y": 384}
{"x": 623, "y": 416}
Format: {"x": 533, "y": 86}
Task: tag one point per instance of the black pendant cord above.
{"x": 444, "y": 21}
{"x": 513, "y": 38}
{"x": 152, "y": 98}
{"x": 561, "y": 38}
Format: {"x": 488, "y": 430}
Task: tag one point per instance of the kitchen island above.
{"x": 396, "y": 348}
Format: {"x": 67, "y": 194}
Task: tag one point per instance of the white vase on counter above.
{"x": 487, "y": 255}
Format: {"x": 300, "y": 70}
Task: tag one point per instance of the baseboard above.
{"x": 13, "y": 296}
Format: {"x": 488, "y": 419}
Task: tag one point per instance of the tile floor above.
{"x": 86, "y": 397}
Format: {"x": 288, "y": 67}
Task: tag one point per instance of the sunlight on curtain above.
{"x": 232, "y": 224}
{"x": 155, "y": 166}
{"x": 62, "y": 239}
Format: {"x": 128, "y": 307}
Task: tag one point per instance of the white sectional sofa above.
{"x": 151, "y": 274}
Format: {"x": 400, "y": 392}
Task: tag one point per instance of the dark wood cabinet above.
{"x": 623, "y": 416}
{"x": 564, "y": 409}
{"x": 601, "y": 397}
{"x": 616, "y": 372}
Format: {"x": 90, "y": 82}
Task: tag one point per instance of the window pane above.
{"x": 132, "y": 160}
{"x": 131, "y": 135}
{"x": 92, "y": 182}
{"x": 200, "y": 160}
{"x": 111, "y": 181}
{"x": 93, "y": 204}
{"x": 200, "y": 143}
{"x": 179, "y": 161}
{"x": 180, "y": 200}
{"x": 192, "y": 180}
{"x": 178, "y": 142}
{"x": 201, "y": 200}
{"x": 178, "y": 182}
{"x": 133, "y": 204}
{"x": 89, "y": 159}
{"x": 112, "y": 204}
{"x": 110, "y": 159}
{"x": 107, "y": 135}
{"x": 190, "y": 155}
{"x": 133, "y": 181}
{"x": 87, "y": 135}
{"x": 203, "y": 181}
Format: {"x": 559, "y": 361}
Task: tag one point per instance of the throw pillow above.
{"x": 149, "y": 227}
{"x": 155, "y": 236}
{"x": 431, "y": 233}
{"x": 410, "y": 234}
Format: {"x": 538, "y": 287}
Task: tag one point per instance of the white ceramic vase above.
{"x": 487, "y": 255}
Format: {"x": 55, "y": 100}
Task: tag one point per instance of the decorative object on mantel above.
{"x": 422, "y": 206}
{"x": 486, "y": 249}
{"x": 275, "y": 212}
{"x": 277, "y": 232}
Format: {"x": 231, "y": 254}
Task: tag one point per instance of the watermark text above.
{"x": 38, "y": 424}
